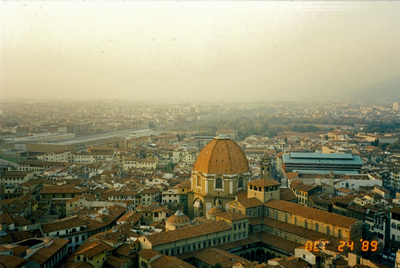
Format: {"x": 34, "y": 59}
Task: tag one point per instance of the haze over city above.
{"x": 196, "y": 51}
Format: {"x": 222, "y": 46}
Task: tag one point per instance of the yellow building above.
{"x": 132, "y": 163}
{"x": 258, "y": 192}
{"x": 58, "y": 195}
{"x": 314, "y": 219}
{"x": 93, "y": 253}
{"x": 152, "y": 259}
{"x": 15, "y": 178}
{"x": 61, "y": 192}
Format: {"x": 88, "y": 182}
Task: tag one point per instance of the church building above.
{"x": 220, "y": 171}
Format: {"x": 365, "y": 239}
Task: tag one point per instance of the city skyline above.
{"x": 182, "y": 51}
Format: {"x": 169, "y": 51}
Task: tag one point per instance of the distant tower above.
{"x": 263, "y": 189}
{"x": 395, "y": 106}
{"x": 265, "y": 166}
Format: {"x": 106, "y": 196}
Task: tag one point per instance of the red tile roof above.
{"x": 211, "y": 256}
{"x": 62, "y": 224}
{"x": 148, "y": 253}
{"x": 7, "y": 261}
{"x": 44, "y": 254}
{"x": 67, "y": 189}
{"x": 263, "y": 183}
{"x": 221, "y": 156}
{"x": 250, "y": 202}
{"x": 231, "y": 216}
{"x": 91, "y": 249}
{"x": 186, "y": 233}
{"x": 311, "y": 213}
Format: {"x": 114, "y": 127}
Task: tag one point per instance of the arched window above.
{"x": 218, "y": 183}
{"x": 285, "y": 217}
{"x": 339, "y": 233}
{"x": 316, "y": 227}
{"x": 328, "y": 230}
{"x": 393, "y": 225}
{"x": 306, "y": 224}
{"x": 198, "y": 179}
{"x": 240, "y": 182}
{"x": 398, "y": 226}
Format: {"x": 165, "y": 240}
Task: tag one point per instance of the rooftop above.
{"x": 316, "y": 158}
{"x": 221, "y": 156}
{"x": 311, "y": 213}
{"x": 186, "y": 233}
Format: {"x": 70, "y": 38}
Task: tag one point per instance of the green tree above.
{"x": 170, "y": 167}
{"x": 383, "y": 145}
{"x": 396, "y": 144}
{"x": 217, "y": 265}
{"x": 375, "y": 142}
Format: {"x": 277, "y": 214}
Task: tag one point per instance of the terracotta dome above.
{"x": 178, "y": 219}
{"x": 221, "y": 156}
{"x": 215, "y": 211}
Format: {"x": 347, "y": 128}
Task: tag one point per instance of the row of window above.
{"x": 219, "y": 182}
{"x": 395, "y": 226}
{"x": 328, "y": 230}
{"x": 239, "y": 226}
{"x": 394, "y": 238}
{"x": 169, "y": 201}
{"x": 257, "y": 213}
{"x": 203, "y": 244}
{"x": 53, "y": 261}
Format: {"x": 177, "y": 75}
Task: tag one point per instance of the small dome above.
{"x": 178, "y": 218}
{"x": 215, "y": 211}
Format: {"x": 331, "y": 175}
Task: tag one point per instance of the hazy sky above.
{"x": 192, "y": 50}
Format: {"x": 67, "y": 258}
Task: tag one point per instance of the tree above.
{"x": 375, "y": 142}
{"x": 383, "y": 145}
{"x": 170, "y": 167}
{"x": 396, "y": 144}
{"x": 217, "y": 265}
{"x": 152, "y": 125}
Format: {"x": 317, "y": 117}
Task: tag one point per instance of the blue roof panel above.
{"x": 323, "y": 160}
{"x": 321, "y": 156}
{"x": 344, "y": 172}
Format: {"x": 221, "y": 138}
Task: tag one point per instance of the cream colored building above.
{"x": 132, "y": 163}
{"x": 228, "y": 227}
{"x": 188, "y": 239}
{"x": 313, "y": 219}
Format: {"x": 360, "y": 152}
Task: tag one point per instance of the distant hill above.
{"x": 386, "y": 90}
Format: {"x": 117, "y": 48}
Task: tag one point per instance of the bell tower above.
{"x": 265, "y": 165}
